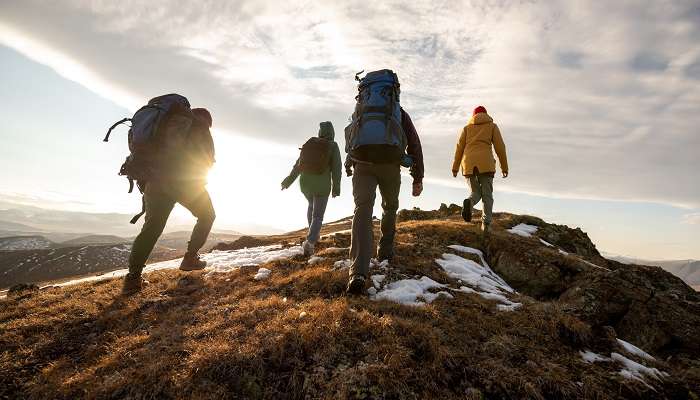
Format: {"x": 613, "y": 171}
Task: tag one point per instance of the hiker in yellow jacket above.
{"x": 474, "y": 155}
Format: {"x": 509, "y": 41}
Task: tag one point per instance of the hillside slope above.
{"x": 531, "y": 312}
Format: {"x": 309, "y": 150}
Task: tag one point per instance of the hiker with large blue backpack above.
{"x": 171, "y": 152}
{"x": 379, "y": 140}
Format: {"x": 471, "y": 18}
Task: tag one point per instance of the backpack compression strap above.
{"x": 111, "y": 128}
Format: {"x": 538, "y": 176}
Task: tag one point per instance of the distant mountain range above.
{"x": 688, "y": 270}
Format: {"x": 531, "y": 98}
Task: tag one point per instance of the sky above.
{"x": 597, "y": 102}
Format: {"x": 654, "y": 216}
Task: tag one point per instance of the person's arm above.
{"x": 414, "y": 148}
{"x": 459, "y": 151}
{"x": 500, "y": 148}
{"x": 287, "y": 182}
{"x": 336, "y": 170}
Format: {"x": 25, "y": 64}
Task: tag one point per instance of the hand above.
{"x": 417, "y": 188}
{"x": 348, "y": 171}
{"x": 284, "y": 186}
{"x": 454, "y": 173}
{"x": 336, "y": 195}
{"x": 505, "y": 174}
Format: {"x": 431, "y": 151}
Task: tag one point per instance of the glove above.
{"x": 348, "y": 171}
{"x": 417, "y": 188}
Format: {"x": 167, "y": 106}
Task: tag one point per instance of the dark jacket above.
{"x": 187, "y": 154}
{"x": 386, "y": 154}
{"x": 320, "y": 184}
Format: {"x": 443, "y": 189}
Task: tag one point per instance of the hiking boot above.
{"x": 467, "y": 210}
{"x": 191, "y": 262}
{"x": 308, "y": 248}
{"x": 133, "y": 284}
{"x": 356, "y": 285}
{"x": 385, "y": 255}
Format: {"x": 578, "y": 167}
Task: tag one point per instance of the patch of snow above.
{"x": 342, "y": 264}
{"x": 377, "y": 280}
{"x": 546, "y": 243}
{"x": 411, "y": 291}
{"x": 372, "y": 291}
{"x": 329, "y": 235}
{"x": 302, "y": 314}
{"x": 632, "y": 349}
{"x": 315, "y": 260}
{"x": 263, "y": 273}
{"x": 563, "y": 252}
{"x": 591, "y": 357}
{"x": 217, "y": 261}
{"x": 523, "y": 230}
{"x": 635, "y": 370}
{"x": 480, "y": 278}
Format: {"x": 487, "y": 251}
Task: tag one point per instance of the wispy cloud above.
{"x": 692, "y": 218}
{"x": 595, "y": 100}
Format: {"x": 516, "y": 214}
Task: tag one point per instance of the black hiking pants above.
{"x": 160, "y": 198}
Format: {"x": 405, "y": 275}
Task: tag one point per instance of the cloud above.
{"x": 692, "y": 218}
{"x": 594, "y": 100}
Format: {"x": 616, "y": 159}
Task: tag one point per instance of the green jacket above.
{"x": 320, "y": 184}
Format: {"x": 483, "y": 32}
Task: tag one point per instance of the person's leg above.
{"x": 198, "y": 202}
{"x": 364, "y": 187}
{"x": 309, "y": 209}
{"x": 486, "y": 184}
{"x": 158, "y": 208}
{"x": 475, "y": 187}
{"x": 319, "y": 209}
{"x": 389, "y": 188}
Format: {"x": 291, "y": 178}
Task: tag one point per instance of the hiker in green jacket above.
{"x": 319, "y": 165}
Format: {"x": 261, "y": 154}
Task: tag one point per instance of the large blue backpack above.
{"x": 165, "y": 118}
{"x": 377, "y": 116}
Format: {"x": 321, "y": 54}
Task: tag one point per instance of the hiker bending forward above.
{"x": 179, "y": 176}
{"x": 320, "y": 168}
{"x": 377, "y": 152}
{"x": 474, "y": 155}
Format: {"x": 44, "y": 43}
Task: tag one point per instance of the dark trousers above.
{"x": 365, "y": 180}
{"x": 160, "y": 198}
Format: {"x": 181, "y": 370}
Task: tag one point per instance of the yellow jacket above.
{"x": 474, "y": 147}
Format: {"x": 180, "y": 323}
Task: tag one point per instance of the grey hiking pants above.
{"x": 160, "y": 199}
{"x": 365, "y": 180}
{"x": 482, "y": 189}
{"x": 314, "y": 214}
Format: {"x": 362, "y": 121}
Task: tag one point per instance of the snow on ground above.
{"x": 523, "y": 230}
{"x": 342, "y": 264}
{"x": 480, "y": 279}
{"x": 546, "y": 243}
{"x": 591, "y": 357}
{"x": 632, "y": 349}
{"x": 412, "y": 292}
{"x": 263, "y": 273}
{"x": 217, "y": 262}
{"x": 635, "y": 370}
{"x": 377, "y": 280}
{"x": 562, "y": 252}
{"x": 334, "y": 233}
{"x": 315, "y": 260}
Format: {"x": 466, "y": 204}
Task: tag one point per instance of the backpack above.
{"x": 165, "y": 121}
{"x": 377, "y": 115}
{"x": 315, "y": 156}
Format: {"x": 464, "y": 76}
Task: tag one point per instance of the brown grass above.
{"x": 232, "y": 337}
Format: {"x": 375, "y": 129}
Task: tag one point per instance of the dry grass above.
{"x": 232, "y": 337}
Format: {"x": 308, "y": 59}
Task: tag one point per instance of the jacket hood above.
{"x": 326, "y": 130}
{"x": 480, "y": 118}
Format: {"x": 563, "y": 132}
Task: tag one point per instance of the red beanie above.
{"x": 480, "y": 109}
{"x": 203, "y": 114}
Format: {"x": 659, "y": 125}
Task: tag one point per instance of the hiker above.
{"x": 171, "y": 153}
{"x": 475, "y": 156}
{"x": 379, "y": 140}
{"x": 320, "y": 168}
